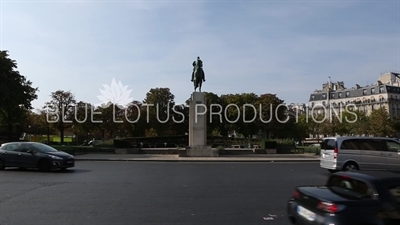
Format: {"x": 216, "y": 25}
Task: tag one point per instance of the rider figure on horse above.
{"x": 198, "y": 64}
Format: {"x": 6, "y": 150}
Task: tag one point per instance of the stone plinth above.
{"x": 198, "y": 129}
{"x": 197, "y": 120}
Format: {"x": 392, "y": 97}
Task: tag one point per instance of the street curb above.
{"x": 193, "y": 160}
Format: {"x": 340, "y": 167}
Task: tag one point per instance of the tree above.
{"x": 37, "y": 123}
{"x": 84, "y": 116}
{"x": 381, "y": 123}
{"x": 180, "y": 121}
{"x": 229, "y": 114}
{"x": 159, "y": 103}
{"x": 271, "y": 114}
{"x": 109, "y": 120}
{"x": 248, "y": 121}
{"x": 16, "y": 94}
{"x": 242, "y": 113}
{"x": 60, "y": 110}
{"x": 354, "y": 122}
{"x": 214, "y": 122}
{"x": 331, "y": 125}
{"x": 134, "y": 122}
{"x": 298, "y": 128}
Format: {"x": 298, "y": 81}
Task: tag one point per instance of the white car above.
{"x": 315, "y": 145}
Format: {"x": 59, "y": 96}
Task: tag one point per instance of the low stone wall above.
{"x": 127, "y": 150}
{"x": 189, "y": 151}
{"x": 199, "y": 151}
{"x": 162, "y": 151}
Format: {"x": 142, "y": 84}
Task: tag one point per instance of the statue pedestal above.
{"x": 198, "y": 129}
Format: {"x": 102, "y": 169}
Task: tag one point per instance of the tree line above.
{"x": 64, "y": 113}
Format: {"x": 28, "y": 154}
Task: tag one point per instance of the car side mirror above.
{"x": 29, "y": 151}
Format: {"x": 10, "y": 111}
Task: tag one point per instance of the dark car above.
{"x": 34, "y": 155}
{"x": 349, "y": 198}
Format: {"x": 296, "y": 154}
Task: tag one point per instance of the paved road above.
{"x": 154, "y": 193}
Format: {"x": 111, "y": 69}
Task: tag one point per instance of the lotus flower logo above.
{"x": 116, "y": 93}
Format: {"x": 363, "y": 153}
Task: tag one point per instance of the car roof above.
{"x": 20, "y": 142}
{"x": 371, "y": 175}
{"x": 354, "y": 137}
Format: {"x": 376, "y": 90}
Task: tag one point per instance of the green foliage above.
{"x": 220, "y": 148}
{"x": 266, "y": 112}
{"x": 381, "y": 124}
{"x": 61, "y": 107}
{"x": 16, "y": 95}
{"x": 160, "y": 111}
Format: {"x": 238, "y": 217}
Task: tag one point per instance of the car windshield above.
{"x": 348, "y": 186}
{"x": 44, "y": 148}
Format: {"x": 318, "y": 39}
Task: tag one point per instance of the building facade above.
{"x": 334, "y": 96}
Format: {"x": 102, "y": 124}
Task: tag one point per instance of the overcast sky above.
{"x": 285, "y": 47}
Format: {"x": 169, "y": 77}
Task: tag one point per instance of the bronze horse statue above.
{"x": 198, "y": 76}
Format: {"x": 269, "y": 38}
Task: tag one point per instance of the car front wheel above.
{"x": 350, "y": 166}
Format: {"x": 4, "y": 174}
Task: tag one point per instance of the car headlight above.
{"x": 55, "y": 157}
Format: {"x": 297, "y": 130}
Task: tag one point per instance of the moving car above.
{"x": 360, "y": 153}
{"x": 350, "y": 198}
{"x": 34, "y": 155}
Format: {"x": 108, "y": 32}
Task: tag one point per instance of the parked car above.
{"x": 360, "y": 153}
{"x": 315, "y": 145}
{"x": 91, "y": 142}
{"x": 350, "y": 198}
{"x": 34, "y": 155}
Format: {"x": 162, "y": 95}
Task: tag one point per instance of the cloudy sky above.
{"x": 285, "y": 47}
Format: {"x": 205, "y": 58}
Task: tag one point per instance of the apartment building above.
{"x": 334, "y": 96}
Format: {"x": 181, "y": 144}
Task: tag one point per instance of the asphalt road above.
{"x": 154, "y": 193}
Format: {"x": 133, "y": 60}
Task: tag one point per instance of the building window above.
{"x": 312, "y": 97}
{"x": 339, "y": 94}
{"x": 380, "y": 89}
{"x": 372, "y": 90}
{"x": 333, "y": 95}
{"x": 364, "y": 91}
{"x": 347, "y": 93}
{"x": 323, "y": 96}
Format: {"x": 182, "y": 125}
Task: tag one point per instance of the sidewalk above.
{"x": 223, "y": 158}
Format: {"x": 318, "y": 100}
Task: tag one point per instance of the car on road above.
{"x": 349, "y": 198}
{"x": 315, "y": 145}
{"x": 34, "y": 155}
{"x": 360, "y": 153}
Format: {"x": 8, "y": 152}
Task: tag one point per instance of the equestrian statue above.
{"x": 198, "y": 76}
